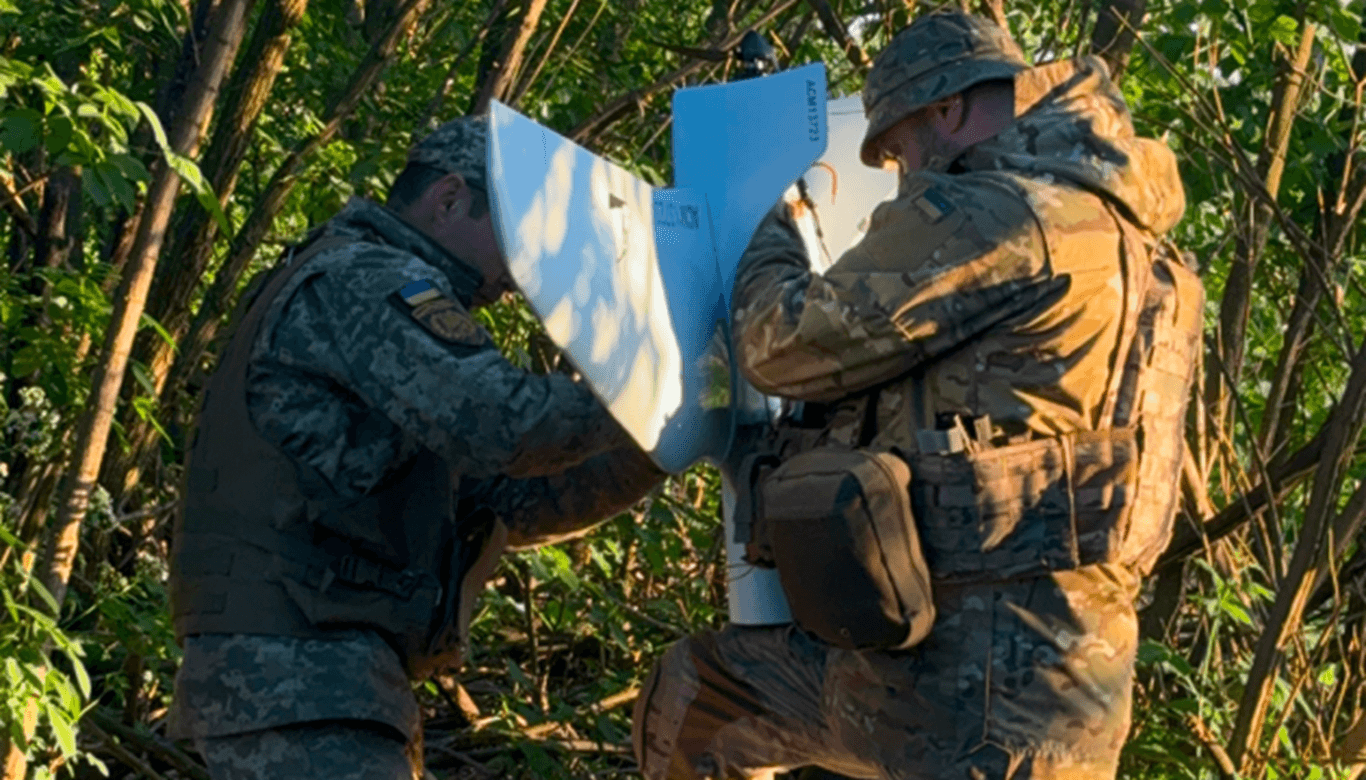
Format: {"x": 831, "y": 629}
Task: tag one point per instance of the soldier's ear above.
{"x": 952, "y": 112}
{"x": 450, "y": 196}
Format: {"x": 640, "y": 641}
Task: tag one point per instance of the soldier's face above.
{"x": 483, "y": 251}
{"x": 927, "y": 139}
{"x": 913, "y": 144}
{"x": 443, "y": 213}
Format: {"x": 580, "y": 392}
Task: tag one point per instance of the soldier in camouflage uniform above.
{"x": 364, "y": 454}
{"x": 1011, "y": 326}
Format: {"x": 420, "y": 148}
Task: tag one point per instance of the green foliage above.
{"x": 46, "y": 683}
{"x": 89, "y": 85}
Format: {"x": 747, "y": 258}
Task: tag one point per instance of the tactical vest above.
{"x": 264, "y": 546}
{"x": 990, "y": 512}
{"x": 1103, "y": 496}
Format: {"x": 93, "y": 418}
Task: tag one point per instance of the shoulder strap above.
{"x": 1136, "y": 270}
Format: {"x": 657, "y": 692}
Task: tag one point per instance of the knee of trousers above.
{"x": 671, "y": 726}
{"x": 650, "y": 738}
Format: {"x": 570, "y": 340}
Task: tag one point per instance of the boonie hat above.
{"x": 937, "y": 55}
{"x": 458, "y": 146}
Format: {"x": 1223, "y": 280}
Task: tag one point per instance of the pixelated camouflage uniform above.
{"x": 355, "y": 383}
{"x": 993, "y": 289}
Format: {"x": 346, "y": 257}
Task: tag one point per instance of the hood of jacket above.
{"x": 369, "y": 222}
{"x": 1071, "y": 122}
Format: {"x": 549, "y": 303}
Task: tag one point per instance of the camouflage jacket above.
{"x": 993, "y": 288}
{"x": 348, "y": 378}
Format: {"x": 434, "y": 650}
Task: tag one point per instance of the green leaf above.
{"x": 45, "y": 595}
{"x": 71, "y": 701}
{"x": 20, "y": 130}
{"x": 1285, "y": 30}
{"x": 1344, "y": 24}
{"x": 8, "y": 7}
{"x": 59, "y": 132}
{"x": 94, "y": 187}
{"x": 9, "y": 538}
{"x": 189, "y": 173}
{"x": 1236, "y": 611}
{"x": 154, "y": 122}
{"x": 146, "y": 408}
{"x": 151, "y": 322}
{"x": 131, "y": 168}
{"x": 61, "y": 726}
{"x": 1328, "y": 675}
{"x": 116, "y": 185}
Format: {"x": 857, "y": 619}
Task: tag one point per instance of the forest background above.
{"x": 155, "y": 154}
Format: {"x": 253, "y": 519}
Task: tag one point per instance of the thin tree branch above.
{"x": 1343, "y": 429}
{"x": 499, "y": 80}
{"x": 837, "y": 32}
{"x": 525, "y": 82}
{"x": 615, "y": 109}
{"x": 434, "y": 106}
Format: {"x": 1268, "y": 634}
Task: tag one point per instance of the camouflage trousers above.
{"x": 1022, "y": 680}
{"x": 323, "y": 750}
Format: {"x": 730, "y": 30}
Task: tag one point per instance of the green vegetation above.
{"x": 155, "y": 153}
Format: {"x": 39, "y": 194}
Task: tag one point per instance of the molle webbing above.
{"x": 1103, "y": 496}
{"x": 1026, "y": 509}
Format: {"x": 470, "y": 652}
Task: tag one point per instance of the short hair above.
{"x": 416, "y": 178}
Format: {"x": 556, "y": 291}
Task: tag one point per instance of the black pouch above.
{"x": 846, "y": 547}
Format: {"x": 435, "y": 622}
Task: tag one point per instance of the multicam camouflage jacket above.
{"x": 1021, "y": 295}
{"x": 365, "y": 359}
{"x": 999, "y": 283}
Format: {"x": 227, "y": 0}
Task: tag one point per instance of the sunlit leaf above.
{"x": 61, "y": 727}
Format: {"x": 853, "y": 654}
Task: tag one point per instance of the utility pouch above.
{"x": 845, "y": 543}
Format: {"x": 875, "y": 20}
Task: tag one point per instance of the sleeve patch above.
{"x": 419, "y": 292}
{"x": 934, "y": 205}
{"x": 439, "y": 315}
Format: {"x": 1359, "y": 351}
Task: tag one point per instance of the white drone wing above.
{"x": 624, "y": 277}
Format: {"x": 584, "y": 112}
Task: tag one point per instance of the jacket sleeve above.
{"x": 444, "y": 383}
{"x": 939, "y": 265}
{"x": 556, "y": 507}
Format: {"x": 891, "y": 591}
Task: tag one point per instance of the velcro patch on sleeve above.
{"x": 439, "y": 315}
{"x": 419, "y": 292}
{"x": 934, "y": 205}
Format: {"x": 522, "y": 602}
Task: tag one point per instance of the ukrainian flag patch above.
{"x": 439, "y": 315}
{"x": 934, "y": 205}
{"x": 418, "y": 292}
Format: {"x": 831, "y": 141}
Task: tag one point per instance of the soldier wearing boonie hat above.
{"x": 938, "y": 56}
{"x": 1004, "y": 327}
{"x": 364, "y": 455}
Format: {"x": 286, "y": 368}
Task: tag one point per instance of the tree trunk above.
{"x": 504, "y": 70}
{"x": 92, "y": 435}
{"x": 60, "y": 236}
{"x": 1342, "y": 197}
{"x": 191, "y": 249}
{"x": 93, "y": 432}
{"x": 218, "y": 299}
{"x": 1116, "y": 30}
